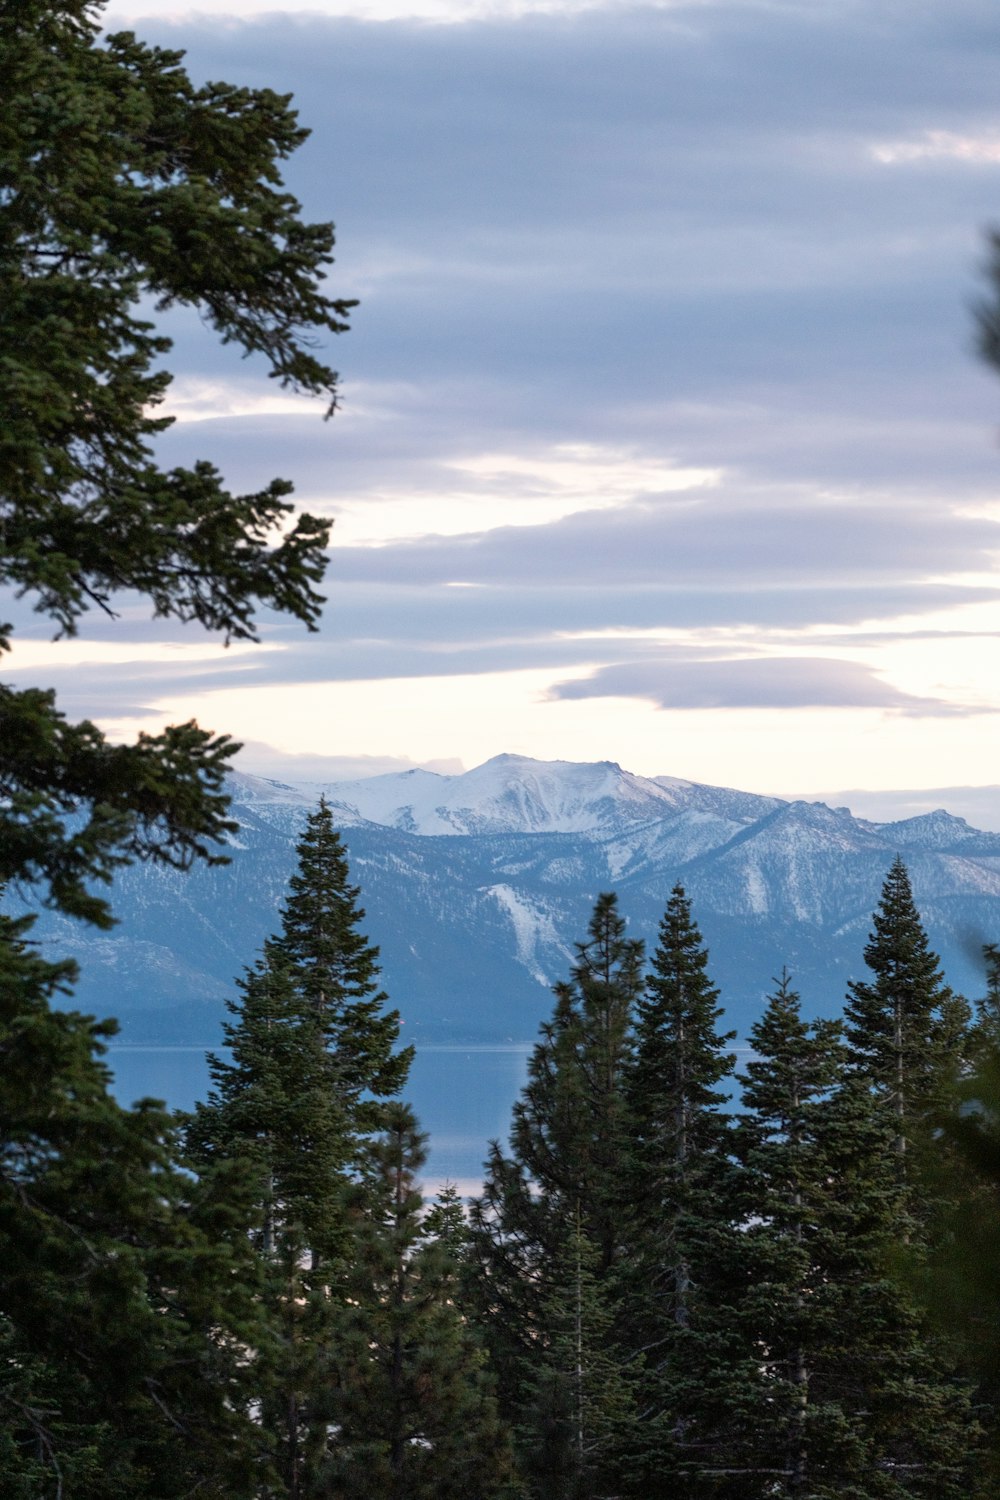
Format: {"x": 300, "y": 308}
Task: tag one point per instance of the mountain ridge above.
{"x": 478, "y": 885}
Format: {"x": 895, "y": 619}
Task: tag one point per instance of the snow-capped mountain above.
{"x": 508, "y": 794}
{"x": 477, "y": 887}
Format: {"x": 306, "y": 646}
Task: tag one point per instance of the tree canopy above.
{"x": 126, "y": 189}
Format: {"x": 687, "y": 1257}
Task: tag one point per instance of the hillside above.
{"x": 476, "y": 887}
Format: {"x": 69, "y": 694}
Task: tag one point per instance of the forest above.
{"x": 676, "y": 1280}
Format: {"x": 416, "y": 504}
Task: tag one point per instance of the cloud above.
{"x": 745, "y": 541}
{"x": 647, "y": 231}
{"x": 979, "y": 805}
{"x": 649, "y": 340}
{"x": 766, "y": 682}
{"x": 941, "y": 145}
{"x": 260, "y": 759}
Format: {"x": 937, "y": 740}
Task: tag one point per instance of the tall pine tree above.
{"x": 412, "y": 1414}
{"x": 682, "y": 1268}
{"x": 336, "y": 970}
{"x": 906, "y": 1030}
{"x": 126, "y": 1290}
{"x": 804, "y": 1204}
{"x": 299, "y": 1101}
{"x": 546, "y": 1234}
{"x": 907, "y": 1034}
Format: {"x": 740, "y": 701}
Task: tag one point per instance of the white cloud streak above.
{"x": 941, "y": 145}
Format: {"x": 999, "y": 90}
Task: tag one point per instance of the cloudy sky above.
{"x": 663, "y": 438}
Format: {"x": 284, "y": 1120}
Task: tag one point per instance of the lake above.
{"x": 462, "y": 1096}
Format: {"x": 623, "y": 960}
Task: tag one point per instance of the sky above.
{"x": 663, "y": 437}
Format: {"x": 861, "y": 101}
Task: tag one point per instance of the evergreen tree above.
{"x": 579, "y": 1417}
{"x": 682, "y": 1268}
{"x": 905, "y": 1027}
{"x": 310, "y": 1046}
{"x": 274, "y": 1106}
{"x": 123, "y": 1280}
{"x": 546, "y": 1234}
{"x": 793, "y": 1423}
{"x": 961, "y": 1283}
{"x": 412, "y": 1413}
{"x": 311, "y": 1052}
{"x": 854, "y": 1396}
{"x": 276, "y": 1110}
{"x": 125, "y": 1284}
{"x": 336, "y": 970}
{"x": 125, "y": 187}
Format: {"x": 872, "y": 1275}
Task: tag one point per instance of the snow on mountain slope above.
{"x": 515, "y": 794}
{"x": 933, "y": 830}
{"x": 535, "y": 934}
{"x": 722, "y": 801}
{"x": 508, "y": 794}
{"x": 477, "y": 887}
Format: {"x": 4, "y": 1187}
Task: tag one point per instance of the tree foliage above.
{"x": 905, "y": 1027}
{"x": 125, "y": 187}
{"x": 126, "y": 1290}
{"x": 547, "y": 1231}
{"x": 126, "y": 1306}
{"x": 298, "y": 1103}
{"x": 413, "y": 1414}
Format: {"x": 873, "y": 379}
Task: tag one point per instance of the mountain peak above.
{"x": 933, "y": 830}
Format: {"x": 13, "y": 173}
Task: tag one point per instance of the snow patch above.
{"x": 533, "y": 928}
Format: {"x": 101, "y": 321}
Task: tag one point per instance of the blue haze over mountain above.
{"x": 477, "y": 886}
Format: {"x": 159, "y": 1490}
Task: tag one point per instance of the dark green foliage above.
{"x": 275, "y": 1108}
{"x": 336, "y": 971}
{"x": 854, "y": 1396}
{"x": 682, "y": 1269}
{"x": 808, "y": 1212}
{"x": 445, "y": 1221}
{"x": 297, "y": 1104}
{"x": 678, "y": 1118}
{"x": 312, "y": 1047}
{"x": 294, "y": 1109}
{"x": 579, "y": 1421}
{"x": 125, "y": 1285}
{"x": 120, "y": 181}
{"x": 568, "y": 1126}
{"x": 905, "y": 1028}
{"x": 960, "y": 1280}
{"x": 276, "y": 1111}
{"x": 160, "y": 798}
{"x": 547, "y": 1231}
{"x": 413, "y": 1417}
{"x": 127, "y": 1318}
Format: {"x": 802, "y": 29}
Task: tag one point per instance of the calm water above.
{"x": 462, "y": 1096}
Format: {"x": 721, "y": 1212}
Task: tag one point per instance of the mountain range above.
{"x": 477, "y": 887}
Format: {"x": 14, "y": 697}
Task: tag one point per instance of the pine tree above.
{"x": 854, "y": 1395}
{"x": 296, "y": 1102}
{"x": 312, "y": 1051}
{"x": 412, "y": 1413}
{"x": 681, "y": 1269}
{"x": 578, "y": 1403}
{"x": 126, "y": 188}
{"x": 336, "y": 969}
{"x": 791, "y": 1313}
{"x": 961, "y": 1284}
{"x": 905, "y": 1027}
{"x": 907, "y": 1034}
{"x": 548, "y": 1226}
{"x": 125, "y": 1284}
{"x": 123, "y": 1279}
{"x": 275, "y": 1109}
